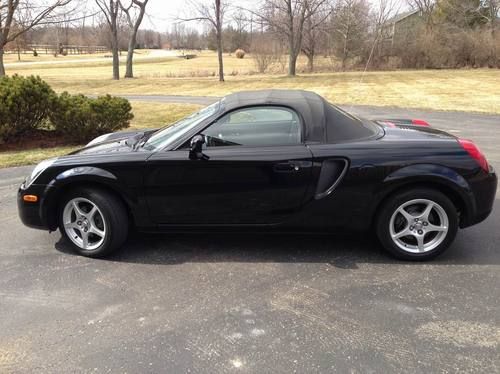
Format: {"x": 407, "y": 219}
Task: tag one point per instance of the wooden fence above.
{"x": 60, "y": 50}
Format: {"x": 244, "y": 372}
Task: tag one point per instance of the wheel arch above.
{"x": 69, "y": 180}
{"x": 442, "y": 179}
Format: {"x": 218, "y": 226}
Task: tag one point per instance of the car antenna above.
{"x": 367, "y": 64}
{"x": 387, "y": 8}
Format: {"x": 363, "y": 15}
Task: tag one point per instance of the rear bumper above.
{"x": 483, "y": 188}
{"x": 30, "y": 213}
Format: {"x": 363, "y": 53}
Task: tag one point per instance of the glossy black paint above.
{"x": 236, "y": 185}
{"x": 310, "y": 186}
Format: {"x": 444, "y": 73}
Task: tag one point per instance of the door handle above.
{"x": 286, "y": 167}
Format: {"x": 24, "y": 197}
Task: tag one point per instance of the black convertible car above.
{"x": 266, "y": 160}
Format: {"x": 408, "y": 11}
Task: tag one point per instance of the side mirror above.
{"x": 196, "y": 148}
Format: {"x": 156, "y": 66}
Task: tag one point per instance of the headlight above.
{"x": 39, "y": 169}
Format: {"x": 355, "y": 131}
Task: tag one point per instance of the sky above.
{"x": 162, "y": 13}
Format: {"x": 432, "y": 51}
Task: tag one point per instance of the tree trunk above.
{"x": 292, "y": 62}
{"x": 310, "y": 61}
{"x": 218, "y": 34}
{"x": 219, "y": 55}
{"x": 129, "y": 73}
{"x": 134, "y": 28}
{"x": 116, "y": 58}
{"x": 344, "y": 53}
{"x": 292, "y": 55}
{"x": 495, "y": 62}
{"x": 2, "y": 67}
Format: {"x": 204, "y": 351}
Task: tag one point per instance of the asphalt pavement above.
{"x": 252, "y": 303}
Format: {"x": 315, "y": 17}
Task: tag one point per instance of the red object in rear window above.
{"x": 420, "y": 122}
{"x": 475, "y": 153}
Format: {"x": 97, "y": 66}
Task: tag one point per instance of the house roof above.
{"x": 401, "y": 16}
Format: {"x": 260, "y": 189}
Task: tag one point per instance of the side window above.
{"x": 255, "y": 126}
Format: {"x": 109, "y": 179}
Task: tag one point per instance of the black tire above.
{"x": 114, "y": 214}
{"x": 389, "y": 208}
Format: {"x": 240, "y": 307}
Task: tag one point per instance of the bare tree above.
{"x": 111, "y": 10}
{"x": 426, "y": 8}
{"x": 240, "y": 20}
{"x": 212, "y": 14}
{"x": 134, "y": 12}
{"x": 18, "y": 17}
{"x": 386, "y": 10}
{"x": 265, "y": 52}
{"x": 491, "y": 13}
{"x": 288, "y": 17}
{"x": 314, "y": 27}
{"x": 350, "y": 25}
{"x": 240, "y": 36}
{"x": 464, "y": 14}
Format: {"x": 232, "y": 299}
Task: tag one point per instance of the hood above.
{"x": 112, "y": 143}
{"x": 116, "y": 136}
{"x": 106, "y": 147}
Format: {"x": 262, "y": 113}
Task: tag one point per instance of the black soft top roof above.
{"x": 323, "y": 122}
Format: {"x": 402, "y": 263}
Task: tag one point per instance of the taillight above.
{"x": 475, "y": 153}
{"x": 420, "y": 122}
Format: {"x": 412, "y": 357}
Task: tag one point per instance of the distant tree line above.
{"x": 357, "y": 34}
{"x": 353, "y": 34}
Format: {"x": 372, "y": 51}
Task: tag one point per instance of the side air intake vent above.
{"x": 332, "y": 172}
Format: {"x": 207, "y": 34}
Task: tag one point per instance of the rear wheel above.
{"x": 93, "y": 221}
{"x": 418, "y": 224}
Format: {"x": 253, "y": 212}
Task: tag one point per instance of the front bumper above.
{"x": 31, "y": 213}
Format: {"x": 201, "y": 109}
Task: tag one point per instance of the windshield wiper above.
{"x": 134, "y": 140}
{"x": 144, "y": 139}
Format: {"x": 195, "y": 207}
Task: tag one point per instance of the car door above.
{"x": 257, "y": 172}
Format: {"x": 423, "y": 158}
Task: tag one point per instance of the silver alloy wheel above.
{"x": 84, "y": 223}
{"x": 419, "y": 226}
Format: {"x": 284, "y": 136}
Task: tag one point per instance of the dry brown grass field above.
{"x": 465, "y": 90}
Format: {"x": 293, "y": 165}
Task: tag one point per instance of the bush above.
{"x": 24, "y": 106}
{"x": 447, "y": 46}
{"x": 263, "y": 60}
{"x": 239, "y": 53}
{"x": 111, "y": 113}
{"x": 80, "y": 118}
{"x": 265, "y": 52}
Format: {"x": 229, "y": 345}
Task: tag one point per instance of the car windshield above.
{"x": 169, "y": 134}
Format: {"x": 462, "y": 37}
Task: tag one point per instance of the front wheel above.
{"x": 418, "y": 224}
{"x": 94, "y": 222}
